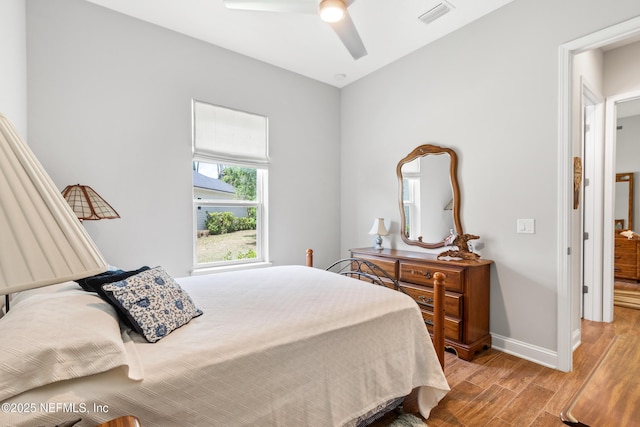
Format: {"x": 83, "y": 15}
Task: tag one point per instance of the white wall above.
{"x": 622, "y": 70}
{"x": 109, "y": 105}
{"x": 489, "y": 91}
{"x": 13, "y": 64}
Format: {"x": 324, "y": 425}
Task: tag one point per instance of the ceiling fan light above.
{"x": 332, "y": 10}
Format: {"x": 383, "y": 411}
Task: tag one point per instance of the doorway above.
{"x": 592, "y": 158}
{"x": 569, "y": 284}
{"x": 623, "y": 108}
{"x": 614, "y": 106}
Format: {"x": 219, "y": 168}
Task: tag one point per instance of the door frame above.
{"x": 565, "y": 282}
{"x": 593, "y": 163}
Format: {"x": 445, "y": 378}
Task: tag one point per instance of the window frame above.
{"x": 261, "y": 203}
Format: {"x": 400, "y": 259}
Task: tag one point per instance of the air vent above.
{"x": 436, "y": 12}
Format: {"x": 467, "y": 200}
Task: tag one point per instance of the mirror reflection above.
{"x": 623, "y": 210}
{"x": 429, "y": 196}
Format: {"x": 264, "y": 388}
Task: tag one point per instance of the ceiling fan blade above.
{"x": 296, "y": 6}
{"x": 349, "y": 36}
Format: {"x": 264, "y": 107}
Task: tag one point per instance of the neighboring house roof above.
{"x": 202, "y": 181}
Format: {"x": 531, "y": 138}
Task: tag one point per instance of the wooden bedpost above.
{"x": 438, "y": 316}
{"x": 309, "y": 257}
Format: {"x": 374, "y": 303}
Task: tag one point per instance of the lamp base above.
{"x": 378, "y": 243}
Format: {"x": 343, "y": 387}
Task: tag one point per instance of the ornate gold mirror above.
{"x": 429, "y": 196}
{"x": 623, "y": 211}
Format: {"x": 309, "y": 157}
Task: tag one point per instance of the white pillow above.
{"x": 57, "y": 334}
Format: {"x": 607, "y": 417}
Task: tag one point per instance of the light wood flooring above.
{"x": 497, "y": 389}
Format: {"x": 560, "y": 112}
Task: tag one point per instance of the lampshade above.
{"x": 42, "y": 240}
{"x": 87, "y": 204}
{"x": 378, "y": 227}
{"x": 332, "y": 10}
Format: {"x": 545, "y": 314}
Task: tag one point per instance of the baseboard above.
{"x": 532, "y": 353}
{"x": 576, "y": 339}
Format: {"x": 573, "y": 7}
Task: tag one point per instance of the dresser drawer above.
{"x": 624, "y": 259}
{"x": 623, "y": 256}
{"x": 422, "y": 274}
{"x": 452, "y": 326}
{"x": 626, "y": 246}
{"x": 389, "y": 267}
{"x": 424, "y": 297}
{"x": 625, "y": 271}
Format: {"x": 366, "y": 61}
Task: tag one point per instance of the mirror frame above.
{"x": 422, "y": 151}
{"x": 628, "y": 178}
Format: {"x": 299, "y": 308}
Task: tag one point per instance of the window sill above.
{"x": 198, "y": 271}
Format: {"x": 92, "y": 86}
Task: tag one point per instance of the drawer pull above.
{"x": 617, "y": 270}
{"x": 429, "y": 322}
{"x": 427, "y": 274}
{"x": 425, "y": 300}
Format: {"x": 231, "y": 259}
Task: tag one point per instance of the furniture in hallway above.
{"x": 626, "y": 258}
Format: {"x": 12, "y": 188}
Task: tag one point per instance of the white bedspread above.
{"x": 281, "y": 346}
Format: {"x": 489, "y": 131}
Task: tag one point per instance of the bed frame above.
{"x": 366, "y": 270}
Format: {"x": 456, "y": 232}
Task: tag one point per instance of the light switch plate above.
{"x": 526, "y": 226}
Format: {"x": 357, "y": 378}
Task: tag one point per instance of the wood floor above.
{"x": 497, "y": 389}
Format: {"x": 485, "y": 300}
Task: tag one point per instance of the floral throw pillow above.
{"x": 153, "y": 301}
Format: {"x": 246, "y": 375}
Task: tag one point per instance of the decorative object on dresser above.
{"x": 630, "y": 234}
{"x": 626, "y": 256}
{"x": 462, "y": 248}
{"x": 378, "y": 229}
{"x": 467, "y": 296}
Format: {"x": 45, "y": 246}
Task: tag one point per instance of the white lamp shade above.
{"x": 42, "y": 240}
{"x": 378, "y": 227}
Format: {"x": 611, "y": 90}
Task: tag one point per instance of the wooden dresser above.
{"x": 466, "y": 297}
{"x": 626, "y": 258}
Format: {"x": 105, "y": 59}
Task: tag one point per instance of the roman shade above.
{"x": 222, "y": 134}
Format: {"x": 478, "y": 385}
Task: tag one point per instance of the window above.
{"x": 411, "y": 198}
{"x": 230, "y": 171}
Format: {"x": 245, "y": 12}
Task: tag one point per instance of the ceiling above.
{"x": 303, "y": 43}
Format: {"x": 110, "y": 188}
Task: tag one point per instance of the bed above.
{"x": 277, "y": 346}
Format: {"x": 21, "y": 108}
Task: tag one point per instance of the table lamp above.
{"x": 378, "y": 229}
{"x": 42, "y": 242}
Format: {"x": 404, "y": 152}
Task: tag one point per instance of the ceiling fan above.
{"x": 334, "y": 12}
